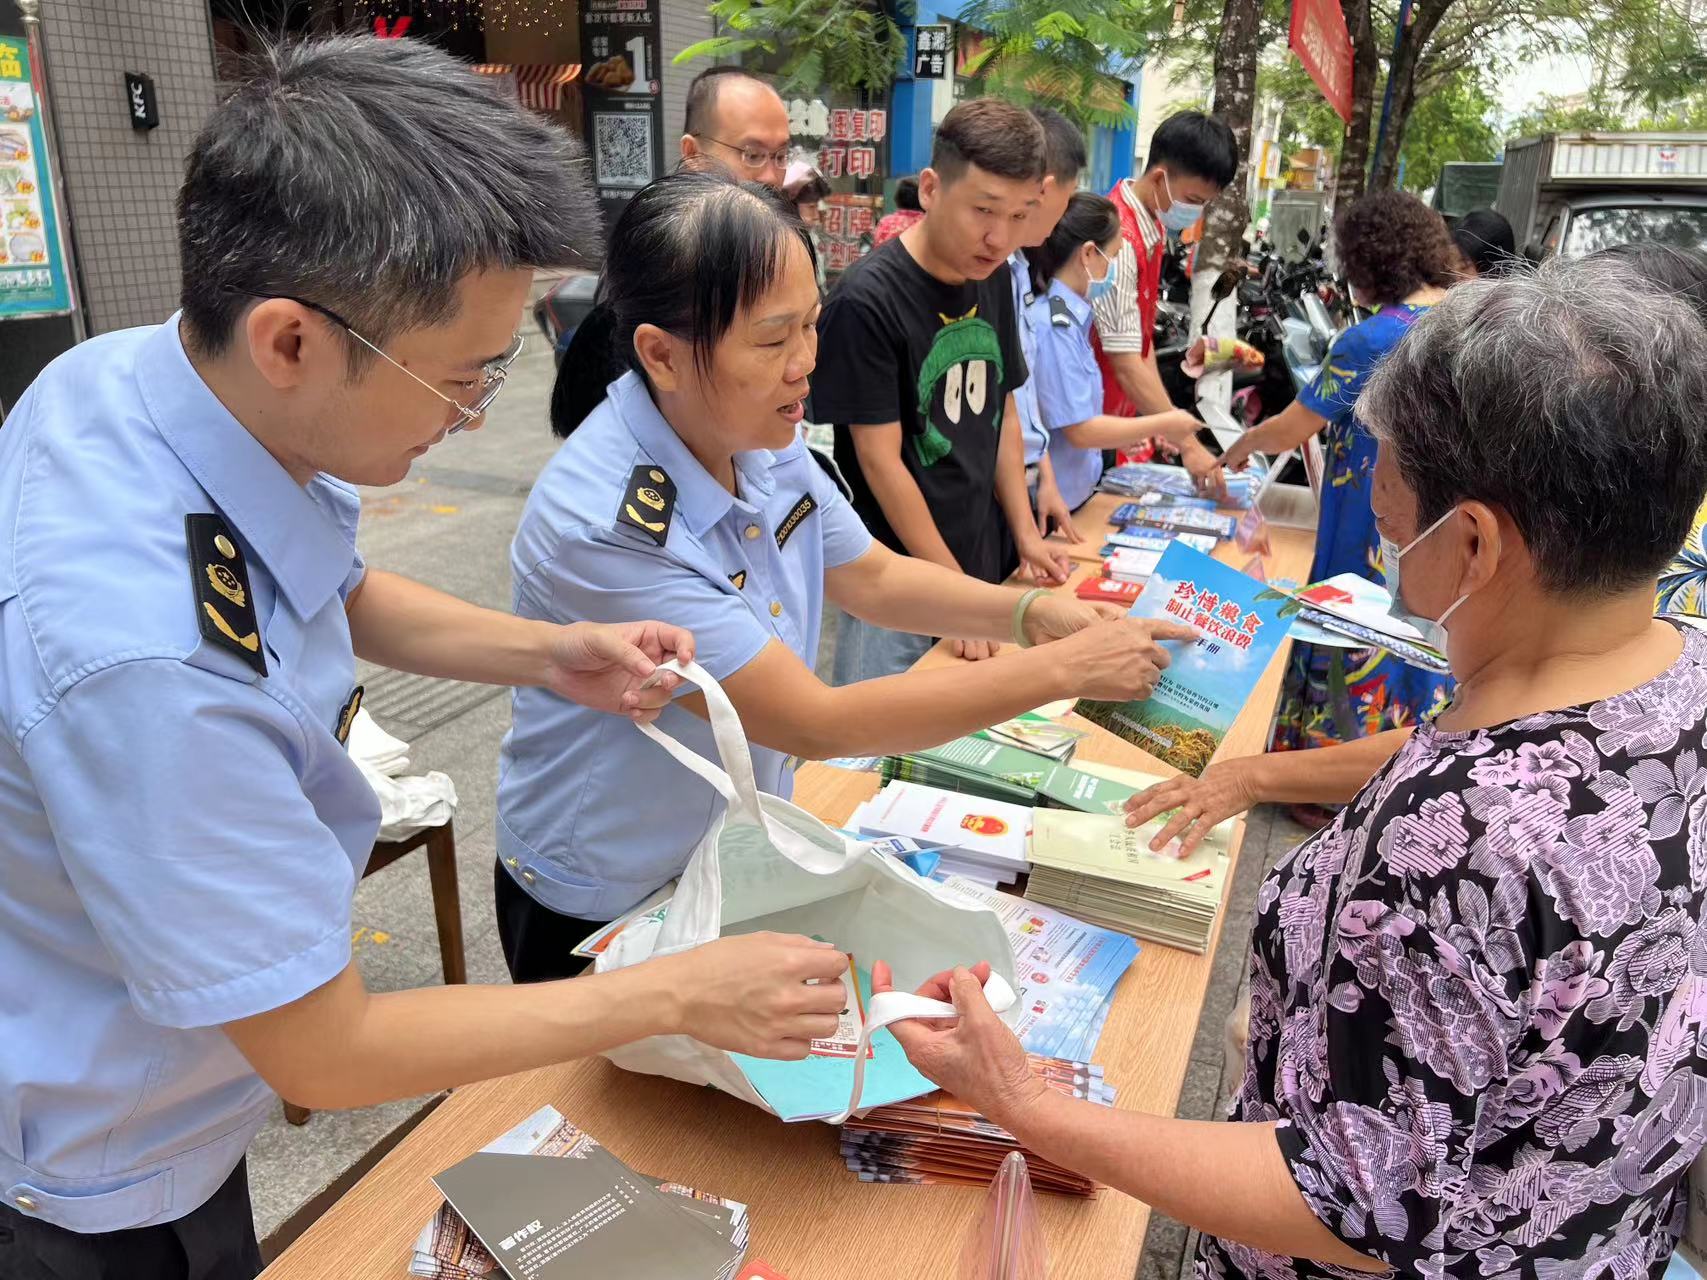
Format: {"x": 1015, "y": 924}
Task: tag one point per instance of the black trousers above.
{"x": 214, "y": 1242}
{"x": 536, "y": 939}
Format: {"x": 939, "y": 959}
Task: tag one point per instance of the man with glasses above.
{"x": 737, "y": 121}
{"x": 181, "y": 610}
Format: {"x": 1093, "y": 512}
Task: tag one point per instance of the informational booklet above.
{"x": 1136, "y": 539}
{"x": 1126, "y": 565}
{"x": 480, "y": 1231}
{"x": 1129, "y": 511}
{"x": 1067, "y": 970}
{"x": 820, "y": 1084}
{"x": 1239, "y": 627}
{"x": 1354, "y": 612}
{"x": 965, "y": 827}
{"x": 654, "y": 907}
{"x": 1032, "y": 732}
{"x": 1108, "y": 590}
{"x": 1081, "y": 787}
{"x": 1180, "y": 519}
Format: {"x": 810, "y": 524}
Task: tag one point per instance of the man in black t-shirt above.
{"x": 918, "y": 357}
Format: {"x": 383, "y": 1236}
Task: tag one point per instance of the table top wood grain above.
{"x": 812, "y": 1220}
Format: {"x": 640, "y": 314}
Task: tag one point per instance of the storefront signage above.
{"x": 32, "y": 258}
{"x": 624, "y": 104}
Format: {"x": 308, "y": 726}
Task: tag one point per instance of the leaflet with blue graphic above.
{"x": 1239, "y": 626}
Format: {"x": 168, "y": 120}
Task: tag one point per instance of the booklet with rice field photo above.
{"x": 1239, "y": 626}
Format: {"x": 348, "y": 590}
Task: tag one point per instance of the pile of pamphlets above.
{"x": 972, "y": 766}
{"x": 1039, "y": 733}
{"x": 1348, "y": 610}
{"x": 1098, "y": 868}
{"x": 1157, "y": 479}
{"x": 977, "y": 837}
{"x": 1065, "y": 971}
{"x": 939, "y": 1139}
{"x": 1092, "y": 788}
{"x": 546, "y": 1201}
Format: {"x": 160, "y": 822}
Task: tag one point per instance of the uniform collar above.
{"x": 1079, "y": 307}
{"x": 303, "y": 549}
{"x": 700, "y": 500}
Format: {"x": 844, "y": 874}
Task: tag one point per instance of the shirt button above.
{"x": 776, "y": 608}
{"x": 26, "y": 1203}
{"x": 512, "y": 863}
{"x": 527, "y": 877}
{"x": 752, "y": 532}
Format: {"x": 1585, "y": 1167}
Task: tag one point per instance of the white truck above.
{"x": 1574, "y": 193}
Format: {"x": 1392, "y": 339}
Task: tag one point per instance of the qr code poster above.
{"x": 622, "y": 148}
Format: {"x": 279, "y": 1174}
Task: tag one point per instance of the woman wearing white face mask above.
{"x": 1396, "y": 254}
{"x": 1070, "y": 271}
{"x": 1475, "y": 1029}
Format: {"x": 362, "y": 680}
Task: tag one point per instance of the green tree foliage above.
{"x": 820, "y": 44}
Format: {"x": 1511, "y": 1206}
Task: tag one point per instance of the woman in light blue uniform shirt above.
{"x": 1070, "y": 270}
{"x": 685, "y": 491}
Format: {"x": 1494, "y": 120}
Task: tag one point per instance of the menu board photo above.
{"x": 32, "y": 264}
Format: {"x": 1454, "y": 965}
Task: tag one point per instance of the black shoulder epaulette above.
{"x": 225, "y": 607}
{"x": 648, "y": 503}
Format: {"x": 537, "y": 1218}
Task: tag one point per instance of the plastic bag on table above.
{"x": 1006, "y": 1243}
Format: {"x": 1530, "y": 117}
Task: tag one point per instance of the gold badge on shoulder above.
{"x": 648, "y": 503}
{"x": 225, "y": 607}
{"x": 347, "y": 716}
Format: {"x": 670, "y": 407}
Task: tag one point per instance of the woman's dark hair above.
{"x": 689, "y": 252}
{"x": 1391, "y": 244}
{"x": 1486, "y": 240}
{"x": 1680, "y": 272}
{"x": 907, "y": 195}
{"x": 1088, "y": 217}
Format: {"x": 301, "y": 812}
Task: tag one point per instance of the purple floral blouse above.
{"x": 1479, "y": 998}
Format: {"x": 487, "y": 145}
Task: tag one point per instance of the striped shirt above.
{"x": 1123, "y": 319}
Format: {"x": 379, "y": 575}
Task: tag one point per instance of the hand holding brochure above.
{"x": 1239, "y": 627}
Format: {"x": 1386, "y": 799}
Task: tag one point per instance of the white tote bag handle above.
{"x": 896, "y": 1006}
{"x": 738, "y": 785}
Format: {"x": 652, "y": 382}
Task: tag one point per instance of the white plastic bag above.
{"x": 767, "y": 864}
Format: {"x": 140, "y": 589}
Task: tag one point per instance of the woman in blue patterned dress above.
{"x": 1396, "y": 255}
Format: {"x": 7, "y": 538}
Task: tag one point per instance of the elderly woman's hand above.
{"x": 1226, "y": 788}
{"x": 975, "y": 1056}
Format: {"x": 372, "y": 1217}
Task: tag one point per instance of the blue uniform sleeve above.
{"x": 846, "y": 538}
{"x": 212, "y": 881}
{"x": 1341, "y": 378}
{"x": 1069, "y": 391}
{"x": 597, "y": 576}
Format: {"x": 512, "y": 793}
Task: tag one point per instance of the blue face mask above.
{"x": 1100, "y": 288}
{"x": 1178, "y": 217}
{"x": 1433, "y": 629}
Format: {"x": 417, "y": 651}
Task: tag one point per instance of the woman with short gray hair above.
{"x": 1478, "y": 997}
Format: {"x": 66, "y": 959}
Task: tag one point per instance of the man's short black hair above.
{"x": 1193, "y": 145}
{"x": 1064, "y": 154}
{"x": 997, "y": 136}
{"x": 702, "y": 95}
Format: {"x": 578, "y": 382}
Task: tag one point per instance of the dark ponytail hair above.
{"x": 1089, "y": 218}
{"x": 689, "y": 251}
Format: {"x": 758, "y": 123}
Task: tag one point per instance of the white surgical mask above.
{"x": 1178, "y": 217}
{"x": 1098, "y": 288}
{"x": 1433, "y": 629}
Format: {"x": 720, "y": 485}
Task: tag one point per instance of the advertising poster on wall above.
{"x": 624, "y": 103}
{"x": 32, "y": 258}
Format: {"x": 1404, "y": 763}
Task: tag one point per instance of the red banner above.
{"x": 1322, "y": 43}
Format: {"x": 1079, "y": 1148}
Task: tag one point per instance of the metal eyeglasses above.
{"x": 753, "y": 158}
{"x": 489, "y": 384}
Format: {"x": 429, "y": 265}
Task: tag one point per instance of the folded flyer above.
{"x": 1239, "y": 627}
{"x": 1354, "y": 611}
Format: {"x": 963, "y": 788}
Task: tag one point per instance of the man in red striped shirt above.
{"x": 1192, "y": 157}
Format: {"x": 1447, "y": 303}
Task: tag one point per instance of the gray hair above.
{"x": 369, "y": 177}
{"x": 1573, "y": 398}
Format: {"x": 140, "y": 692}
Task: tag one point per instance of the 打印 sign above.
{"x": 1323, "y": 44}
{"x": 32, "y": 258}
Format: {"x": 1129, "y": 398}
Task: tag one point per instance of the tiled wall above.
{"x": 681, "y": 23}
{"x": 121, "y": 184}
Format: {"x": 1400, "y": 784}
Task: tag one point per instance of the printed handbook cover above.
{"x": 1239, "y": 624}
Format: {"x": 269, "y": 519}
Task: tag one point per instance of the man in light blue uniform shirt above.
{"x": 181, "y": 606}
{"x": 1064, "y": 162}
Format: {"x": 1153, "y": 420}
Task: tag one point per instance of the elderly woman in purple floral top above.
{"x": 1479, "y": 998}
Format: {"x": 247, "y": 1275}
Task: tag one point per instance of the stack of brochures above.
{"x": 1066, "y": 971}
{"x": 547, "y": 1201}
{"x": 1038, "y": 733}
{"x": 939, "y": 1139}
{"x": 1146, "y": 478}
{"x": 1092, "y": 788}
{"x": 1179, "y": 517}
{"x": 972, "y": 766}
{"x": 1348, "y": 610}
{"x": 977, "y": 837}
{"x": 1098, "y": 868}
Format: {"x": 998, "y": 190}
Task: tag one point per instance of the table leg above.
{"x": 447, "y": 904}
